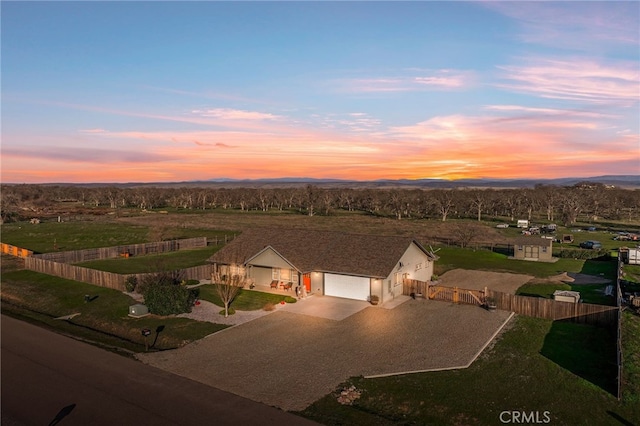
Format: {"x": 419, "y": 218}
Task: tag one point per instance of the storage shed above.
{"x": 533, "y": 248}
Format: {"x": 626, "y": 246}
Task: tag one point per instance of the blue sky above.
{"x": 172, "y": 91}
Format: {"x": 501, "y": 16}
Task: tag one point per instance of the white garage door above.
{"x": 346, "y": 286}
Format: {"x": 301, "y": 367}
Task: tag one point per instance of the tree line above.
{"x": 586, "y": 202}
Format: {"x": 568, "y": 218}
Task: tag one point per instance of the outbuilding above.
{"x": 352, "y": 266}
{"x": 533, "y": 248}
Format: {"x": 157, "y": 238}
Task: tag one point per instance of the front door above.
{"x": 306, "y": 280}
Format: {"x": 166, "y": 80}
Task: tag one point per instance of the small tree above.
{"x": 228, "y": 286}
{"x": 465, "y": 233}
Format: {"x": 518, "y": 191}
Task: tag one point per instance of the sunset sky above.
{"x": 169, "y": 91}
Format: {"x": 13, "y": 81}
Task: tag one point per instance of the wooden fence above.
{"x": 77, "y": 273}
{"x": 103, "y": 278}
{"x": 15, "y": 251}
{"x": 536, "y": 307}
{"x": 438, "y": 292}
{"x": 76, "y": 256}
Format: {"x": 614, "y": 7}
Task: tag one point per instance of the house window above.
{"x": 275, "y": 274}
{"x": 520, "y": 248}
{"x": 285, "y": 274}
{"x": 398, "y": 278}
{"x": 544, "y": 249}
{"x": 418, "y": 266}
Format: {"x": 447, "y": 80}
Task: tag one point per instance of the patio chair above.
{"x": 288, "y": 286}
{"x": 274, "y": 284}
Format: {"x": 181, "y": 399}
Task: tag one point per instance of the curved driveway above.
{"x": 290, "y": 360}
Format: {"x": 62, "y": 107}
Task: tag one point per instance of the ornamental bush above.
{"x": 168, "y": 299}
{"x": 130, "y": 283}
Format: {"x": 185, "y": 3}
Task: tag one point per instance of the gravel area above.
{"x": 289, "y": 360}
{"x": 207, "y": 311}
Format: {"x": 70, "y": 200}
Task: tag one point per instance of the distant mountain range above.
{"x": 625, "y": 181}
{"x": 622, "y": 181}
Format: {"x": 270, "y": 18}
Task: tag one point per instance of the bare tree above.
{"x": 228, "y": 287}
{"x": 444, "y": 202}
{"x": 465, "y": 233}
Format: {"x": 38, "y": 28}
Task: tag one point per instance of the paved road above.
{"x": 49, "y": 379}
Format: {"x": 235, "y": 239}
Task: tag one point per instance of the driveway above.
{"x": 290, "y": 360}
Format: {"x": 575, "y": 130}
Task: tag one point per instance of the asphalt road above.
{"x": 50, "y": 379}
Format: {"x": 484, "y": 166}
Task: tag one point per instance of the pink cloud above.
{"x": 234, "y": 114}
{"x": 421, "y": 80}
{"x": 579, "y": 79}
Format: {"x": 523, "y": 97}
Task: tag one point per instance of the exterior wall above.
{"x": 532, "y": 252}
{"x": 415, "y": 264}
{"x": 270, "y": 258}
{"x": 317, "y": 283}
{"x": 261, "y": 275}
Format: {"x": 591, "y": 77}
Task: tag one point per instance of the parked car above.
{"x": 591, "y": 244}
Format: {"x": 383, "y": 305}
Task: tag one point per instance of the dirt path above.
{"x": 476, "y": 280}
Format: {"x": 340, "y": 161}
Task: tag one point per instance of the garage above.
{"x": 347, "y": 286}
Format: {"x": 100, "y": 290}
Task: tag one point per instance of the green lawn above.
{"x": 589, "y": 293}
{"x": 452, "y": 258}
{"x": 153, "y": 263}
{"x": 631, "y": 351}
{"x": 40, "y": 298}
{"x": 246, "y": 300}
{"x": 537, "y": 365}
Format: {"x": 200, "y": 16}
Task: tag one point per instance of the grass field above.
{"x": 53, "y": 236}
{"x": 40, "y": 298}
{"x": 151, "y": 263}
{"x": 453, "y": 257}
{"x": 589, "y": 293}
{"x": 529, "y": 369}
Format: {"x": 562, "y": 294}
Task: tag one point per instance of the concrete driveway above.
{"x": 290, "y": 360}
{"x": 333, "y": 308}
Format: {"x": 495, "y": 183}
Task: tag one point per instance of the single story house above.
{"x": 566, "y": 296}
{"x": 533, "y": 248}
{"x": 352, "y": 266}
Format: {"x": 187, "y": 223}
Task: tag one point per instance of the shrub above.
{"x": 131, "y": 283}
{"x": 289, "y": 299}
{"x": 583, "y": 254}
{"x": 168, "y": 299}
{"x": 269, "y": 306}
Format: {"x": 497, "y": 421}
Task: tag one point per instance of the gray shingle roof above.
{"x": 328, "y": 251}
